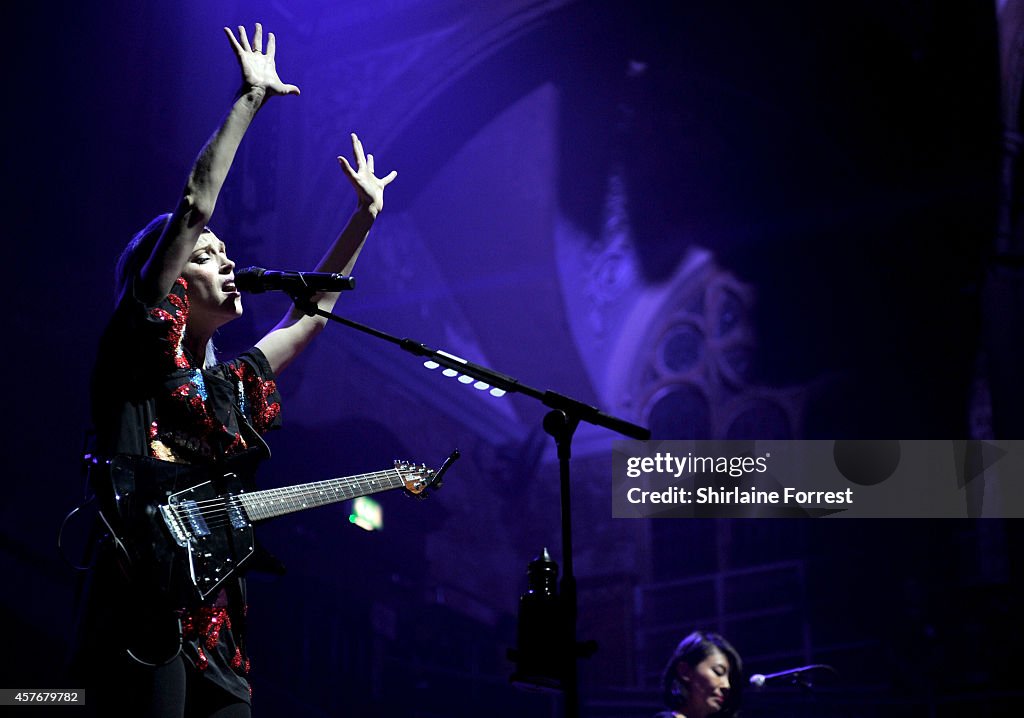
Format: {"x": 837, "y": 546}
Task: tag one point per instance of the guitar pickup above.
{"x": 193, "y": 518}
{"x": 236, "y": 515}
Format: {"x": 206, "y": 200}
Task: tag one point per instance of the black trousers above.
{"x": 175, "y": 690}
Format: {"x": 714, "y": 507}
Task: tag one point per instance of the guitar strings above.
{"x": 362, "y": 478}
{"x": 324, "y": 494}
{"x": 215, "y": 512}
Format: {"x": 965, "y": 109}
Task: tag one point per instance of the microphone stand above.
{"x": 798, "y": 678}
{"x": 561, "y": 423}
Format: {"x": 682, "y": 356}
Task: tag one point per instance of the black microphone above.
{"x": 758, "y": 680}
{"x": 257, "y": 279}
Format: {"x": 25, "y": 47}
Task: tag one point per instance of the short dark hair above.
{"x": 135, "y": 254}
{"x": 692, "y": 650}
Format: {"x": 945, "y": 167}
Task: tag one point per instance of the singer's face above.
{"x": 707, "y": 683}
{"x": 212, "y": 295}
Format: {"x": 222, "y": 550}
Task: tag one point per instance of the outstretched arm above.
{"x": 259, "y": 82}
{"x": 295, "y": 330}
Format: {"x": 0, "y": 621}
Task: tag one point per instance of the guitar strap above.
{"x": 251, "y": 437}
{"x": 262, "y": 560}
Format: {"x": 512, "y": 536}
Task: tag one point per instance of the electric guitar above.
{"x": 183, "y": 529}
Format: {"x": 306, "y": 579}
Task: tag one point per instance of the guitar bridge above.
{"x": 177, "y": 530}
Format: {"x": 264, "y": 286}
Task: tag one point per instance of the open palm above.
{"x": 368, "y": 186}
{"x": 258, "y": 68}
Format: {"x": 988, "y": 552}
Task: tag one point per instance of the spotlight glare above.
{"x": 367, "y": 514}
{"x": 361, "y": 523}
{"x": 431, "y": 364}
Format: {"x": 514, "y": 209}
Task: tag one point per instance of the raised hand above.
{"x": 369, "y": 187}
{"x": 258, "y": 68}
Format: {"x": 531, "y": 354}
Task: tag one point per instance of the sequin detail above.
{"x": 206, "y": 624}
{"x": 239, "y": 663}
{"x": 196, "y": 378}
{"x": 258, "y": 396}
{"x": 209, "y": 437}
{"x": 176, "y": 324}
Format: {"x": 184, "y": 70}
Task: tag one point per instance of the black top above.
{"x": 150, "y": 397}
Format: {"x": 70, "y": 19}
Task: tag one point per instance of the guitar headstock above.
{"x": 418, "y": 478}
{"x": 415, "y": 477}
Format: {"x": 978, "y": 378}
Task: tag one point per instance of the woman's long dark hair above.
{"x": 692, "y": 650}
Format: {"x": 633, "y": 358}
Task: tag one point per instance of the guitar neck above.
{"x": 261, "y": 505}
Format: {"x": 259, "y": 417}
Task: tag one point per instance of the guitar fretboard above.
{"x": 269, "y": 503}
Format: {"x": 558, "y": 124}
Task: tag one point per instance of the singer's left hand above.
{"x": 369, "y": 188}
